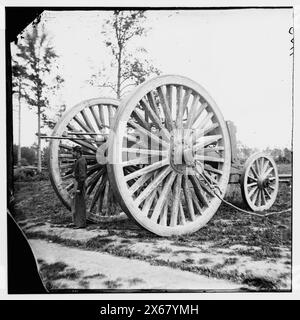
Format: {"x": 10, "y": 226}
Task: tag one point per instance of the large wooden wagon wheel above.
{"x": 259, "y": 182}
{"x": 87, "y": 124}
{"x": 165, "y": 128}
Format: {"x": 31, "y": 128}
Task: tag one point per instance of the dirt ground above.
{"x": 233, "y": 251}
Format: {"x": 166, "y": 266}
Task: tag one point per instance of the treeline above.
{"x": 283, "y": 155}
{"x": 29, "y": 156}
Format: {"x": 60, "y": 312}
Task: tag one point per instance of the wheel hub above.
{"x": 181, "y": 151}
{"x": 263, "y": 182}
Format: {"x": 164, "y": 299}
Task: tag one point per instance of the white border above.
{"x": 145, "y": 296}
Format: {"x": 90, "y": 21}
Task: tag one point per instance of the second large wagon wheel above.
{"x": 259, "y": 182}
{"x": 87, "y": 124}
{"x": 165, "y": 128}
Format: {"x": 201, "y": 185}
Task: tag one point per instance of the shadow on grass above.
{"x": 56, "y": 271}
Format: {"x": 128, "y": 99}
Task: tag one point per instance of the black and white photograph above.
{"x": 152, "y": 148}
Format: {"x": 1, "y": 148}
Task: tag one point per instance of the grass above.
{"x": 36, "y": 200}
{"x": 50, "y": 273}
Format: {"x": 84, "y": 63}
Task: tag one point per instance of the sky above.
{"x": 241, "y": 57}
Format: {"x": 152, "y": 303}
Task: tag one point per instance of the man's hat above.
{"x": 77, "y": 149}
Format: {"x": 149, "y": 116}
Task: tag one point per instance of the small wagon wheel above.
{"x": 259, "y": 182}
{"x": 87, "y": 124}
{"x": 165, "y": 128}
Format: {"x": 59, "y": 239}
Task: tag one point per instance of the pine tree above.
{"x": 18, "y": 86}
{"x": 38, "y": 57}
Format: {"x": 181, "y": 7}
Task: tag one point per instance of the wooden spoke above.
{"x": 111, "y": 115}
{"x": 179, "y": 102}
{"x": 259, "y": 198}
{"x": 188, "y": 198}
{"x": 87, "y": 120}
{"x": 216, "y": 150}
{"x": 140, "y": 182}
{"x": 206, "y": 189}
{"x": 211, "y": 178}
{"x": 206, "y": 140}
{"x": 265, "y": 166}
{"x": 153, "y": 103}
{"x": 209, "y": 168}
{"x": 255, "y": 195}
{"x": 162, "y": 153}
{"x": 197, "y": 205}
{"x": 199, "y": 111}
{"x": 204, "y": 123}
{"x": 153, "y": 185}
{"x": 66, "y": 166}
{"x": 261, "y": 164}
{"x": 268, "y": 171}
{"x": 169, "y": 89}
{"x": 198, "y": 190}
{"x": 263, "y": 197}
{"x": 93, "y": 168}
{"x": 251, "y": 193}
{"x": 210, "y": 128}
{"x": 137, "y": 142}
{"x": 67, "y": 176}
{"x": 66, "y": 155}
{"x": 92, "y": 182}
{"x": 147, "y": 169}
{"x": 252, "y": 178}
{"x": 176, "y": 200}
{"x": 252, "y": 184}
{"x": 182, "y": 219}
{"x": 105, "y": 199}
{"x": 167, "y": 112}
{"x": 257, "y": 168}
{"x": 136, "y": 161}
{"x": 86, "y": 145}
{"x": 208, "y": 159}
{"x": 140, "y": 120}
{"x": 254, "y": 172}
{"x": 101, "y": 115}
{"x": 82, "y": 124}
{"x": 96, "y": 118}
{"x": 191, "y": 114}
{"x": 267, "y": 193}
{"x": 98, "y": 192}
{"x": 152, "y": 136}
{"x": 155, "y": 119}
{"x": 70, "y": 186}
{"x": 164, "y": 214}
{"x": 149, "y": 203}
{"x": 185, "y": 101}
{"x": 73, "y": 129}
{"x": 163, "y": 196}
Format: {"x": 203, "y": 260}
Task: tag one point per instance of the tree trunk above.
{"x": 119, "y": 74}
{"x": 39, "y": 164}
{"x": 19, "y": 146}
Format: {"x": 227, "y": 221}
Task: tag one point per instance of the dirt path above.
{"x": 83, "y": 269}
{"x": 240, "y": 264}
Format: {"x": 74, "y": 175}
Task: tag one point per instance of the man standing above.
{"x": 80, "y": 174}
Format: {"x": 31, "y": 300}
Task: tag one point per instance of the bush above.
{"x": 30, "y": 174}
